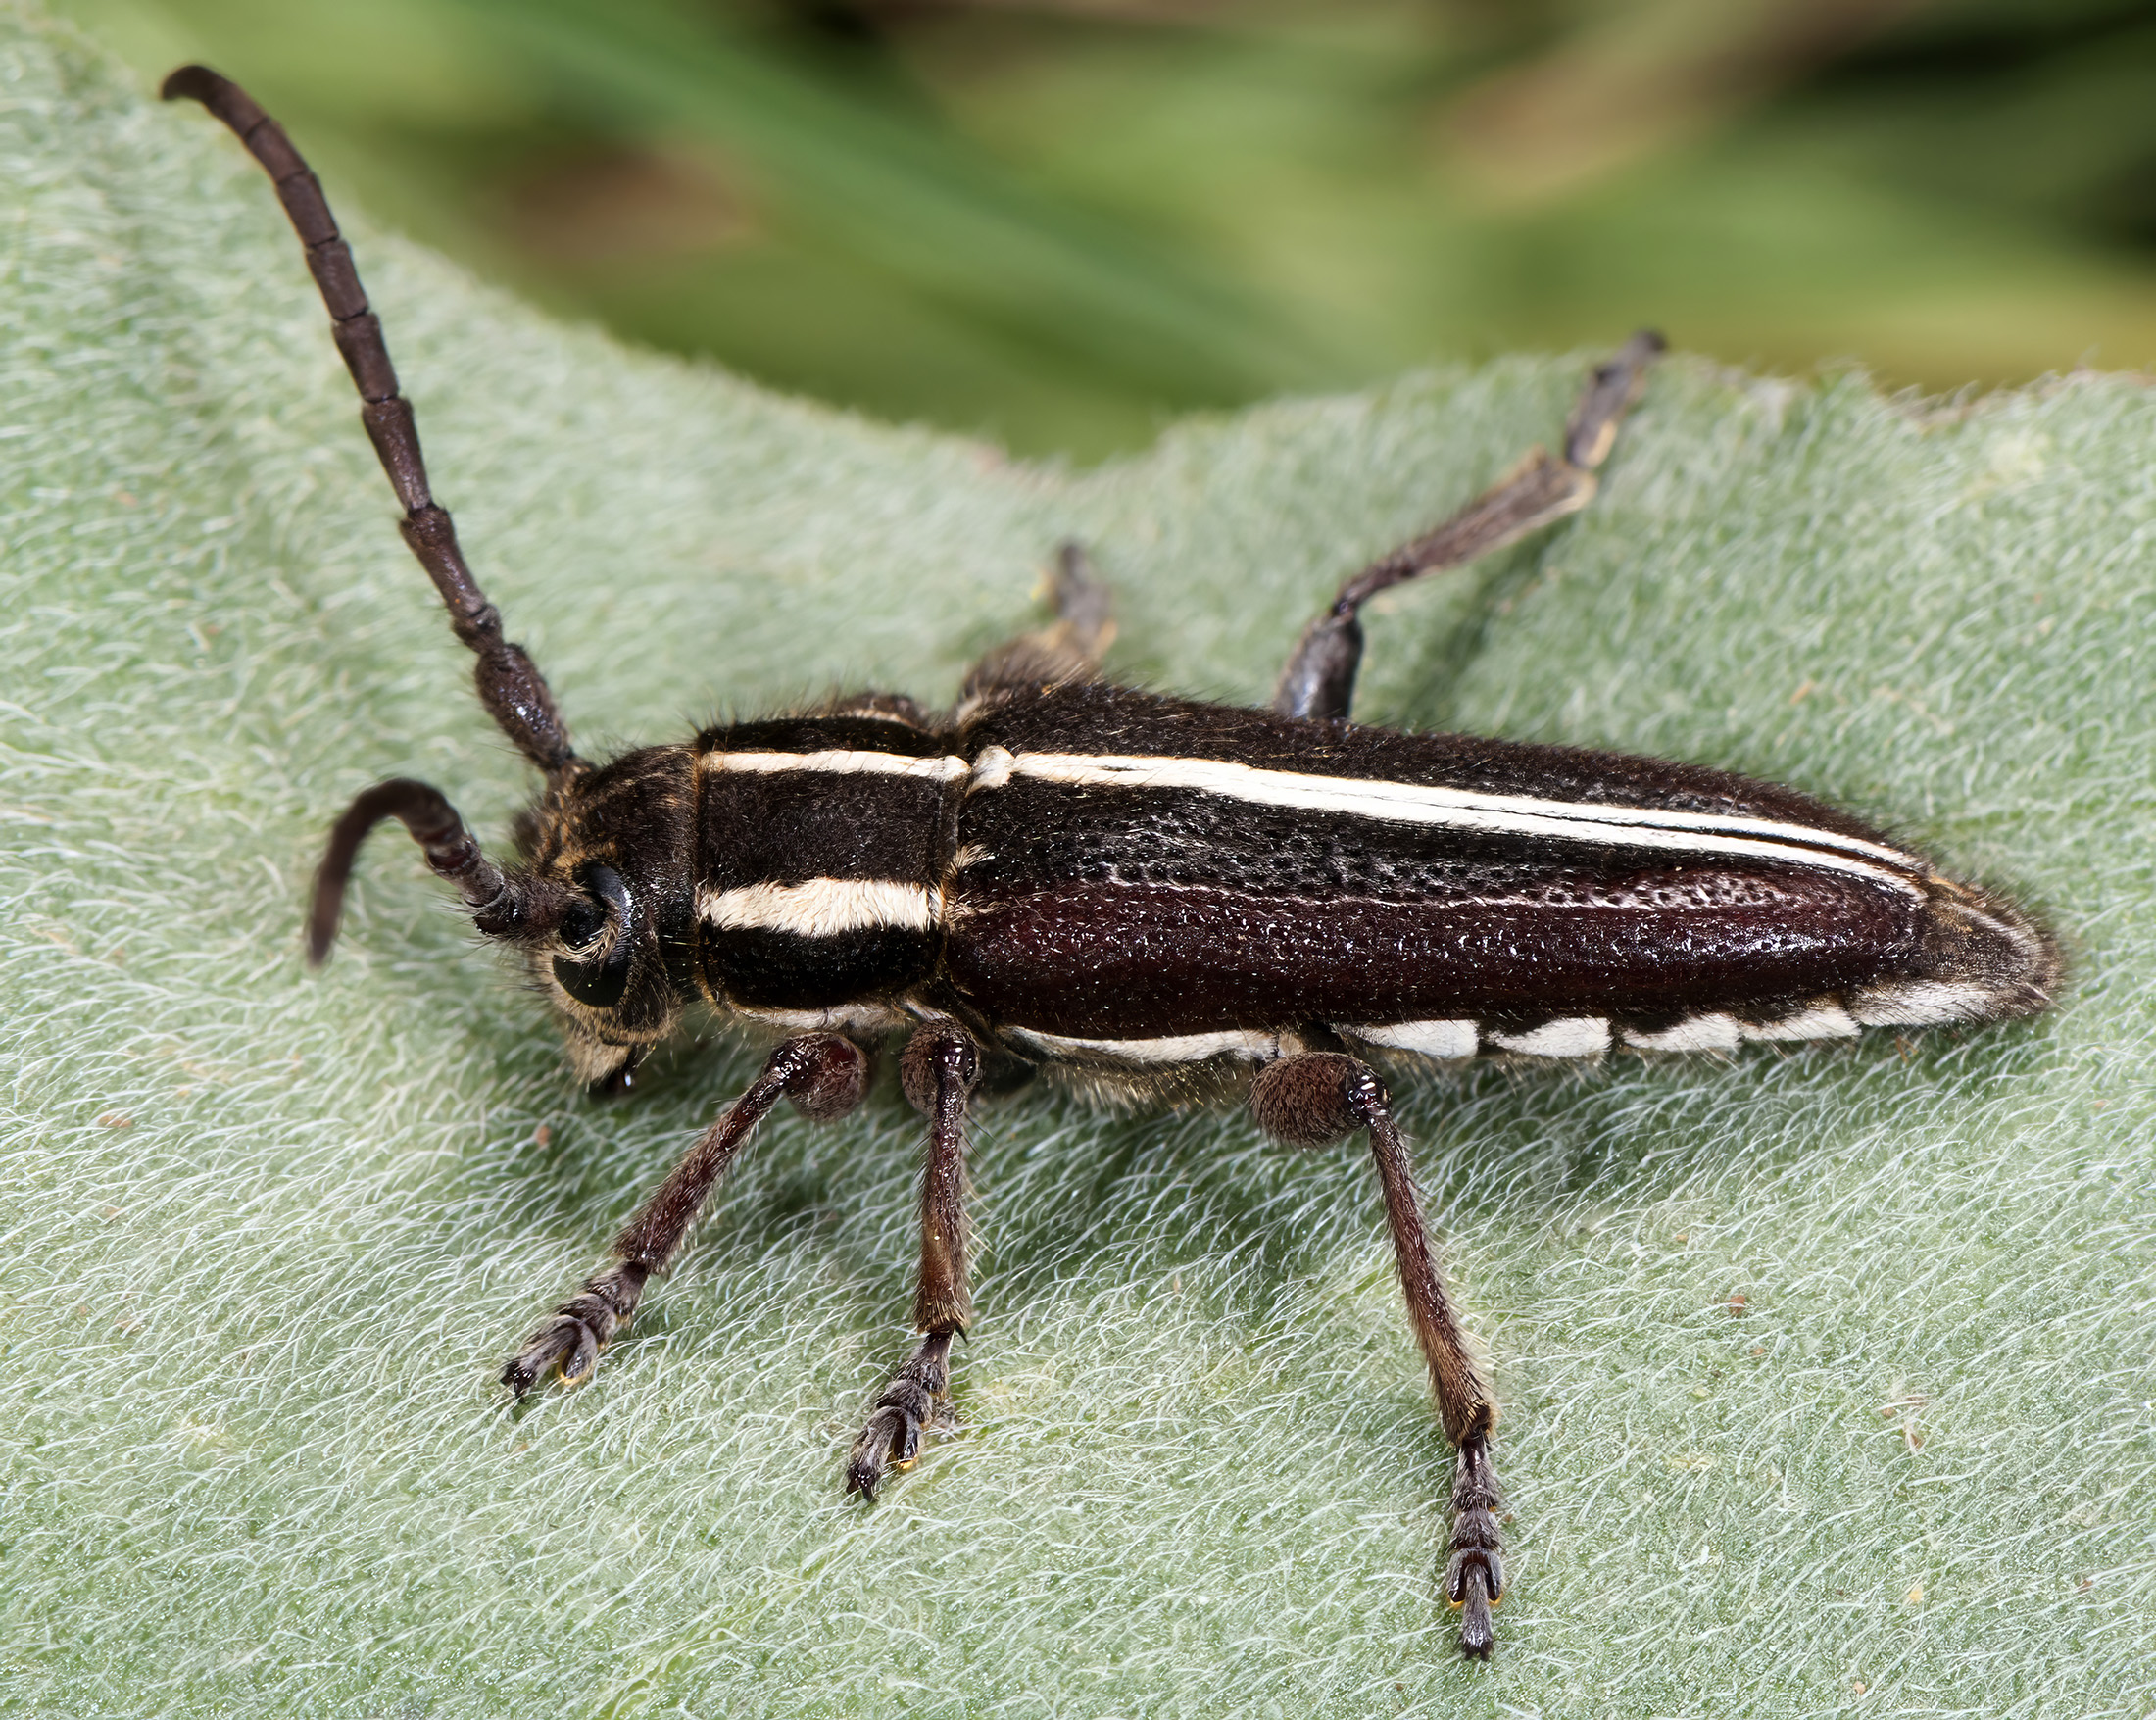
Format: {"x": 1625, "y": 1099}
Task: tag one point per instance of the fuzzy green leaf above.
{"x": 268, "y": 1234}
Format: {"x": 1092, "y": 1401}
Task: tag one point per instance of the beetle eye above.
{"x": 599, "y": 985}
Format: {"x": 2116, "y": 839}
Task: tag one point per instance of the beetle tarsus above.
{"x": 1067, "y": 649}
{"x": 1611, "y": 392}
{"x": 571, "y": 1340}
{"x": 541, "y": 1354}
{"x": 937, "y": 1071}
{"x": 824, "y": 1074}
{"x": 915, "y": 1399}
{"x": 1474, "y": 1578}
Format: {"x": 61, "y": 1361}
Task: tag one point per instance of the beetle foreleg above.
{"x": 1313, "y": 1100}
{"x": 937, "y": 1071}
{"x": 824, "y": 1076}
{"x": 1320, "y": 677}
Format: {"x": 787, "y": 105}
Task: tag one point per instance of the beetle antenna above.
{"x": 503, "y": 904}
{"x": 510, "y": 686}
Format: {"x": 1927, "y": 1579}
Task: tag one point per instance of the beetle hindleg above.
{"x": 1069, "y": 648}
{"x": 938, "y": 1070}
{"x": 824, "y": 1076}
{"x": 1311, "y": 1101}
{"x": 1319, "y": 679}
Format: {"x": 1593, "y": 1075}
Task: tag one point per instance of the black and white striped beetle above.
{"x": 1162, "y": 899}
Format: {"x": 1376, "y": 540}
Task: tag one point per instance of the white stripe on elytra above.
{"x": 844, "y": 762}
{"x": 820, "y": 907}
{"x": 1393, "y": 801}
{"x": 1700, "y": 833}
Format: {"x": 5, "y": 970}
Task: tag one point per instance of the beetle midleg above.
{"x": 824, "y": 1076}
{"x": 938, "y": 1070}
{"x": 1313, "y": 1100}
{"x": 1070, "y": 647}
{"x": 1319, "y": 679}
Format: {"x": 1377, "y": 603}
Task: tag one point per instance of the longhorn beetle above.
{"x": 1163, "y": 900}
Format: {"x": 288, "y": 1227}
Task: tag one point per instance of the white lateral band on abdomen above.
{"x": 1180, "y": 1048}
{"x": 1576, "y": 1036}
{"x": 1714, "y": 1032}
{"x": 1823, "y": 1018}
{"x": 1447, "y": 1040}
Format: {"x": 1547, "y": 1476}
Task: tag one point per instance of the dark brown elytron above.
{"x": 1161, "y": 900}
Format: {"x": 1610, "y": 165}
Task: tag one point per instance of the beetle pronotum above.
{"x": 1161, "y": 898}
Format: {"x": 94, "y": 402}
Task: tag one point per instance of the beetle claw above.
{"x": 914, "y": 1400}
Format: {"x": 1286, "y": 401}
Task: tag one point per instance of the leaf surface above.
{"x": 268, "y": 1234}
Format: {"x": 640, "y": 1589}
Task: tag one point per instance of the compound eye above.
{"x": 599, "y": 984}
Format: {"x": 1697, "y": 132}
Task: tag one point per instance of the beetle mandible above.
{"x": 1163, "y": 898}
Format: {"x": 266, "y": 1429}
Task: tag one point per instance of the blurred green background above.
{"x": 1058, "y": 222}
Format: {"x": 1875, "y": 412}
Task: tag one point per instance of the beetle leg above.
{"x": 824, "y": 1076}
{"x": 1069, "y": 648}
{"x": 938, "y": 1070}
{"x": 1319, "y": 679}
{"x": 1313, "y": 1100}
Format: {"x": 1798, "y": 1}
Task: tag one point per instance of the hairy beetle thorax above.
{"x": 823, "y": 845}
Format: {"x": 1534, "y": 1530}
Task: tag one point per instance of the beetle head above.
{"x": 601, "y": 908}
{"x": 616, "y": 963}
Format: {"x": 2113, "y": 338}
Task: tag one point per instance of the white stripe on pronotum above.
{"x": 820, "y": 907}
{"x": 838, "y": 761}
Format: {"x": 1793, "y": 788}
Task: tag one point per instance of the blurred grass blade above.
{"x": 913, "y": 203}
